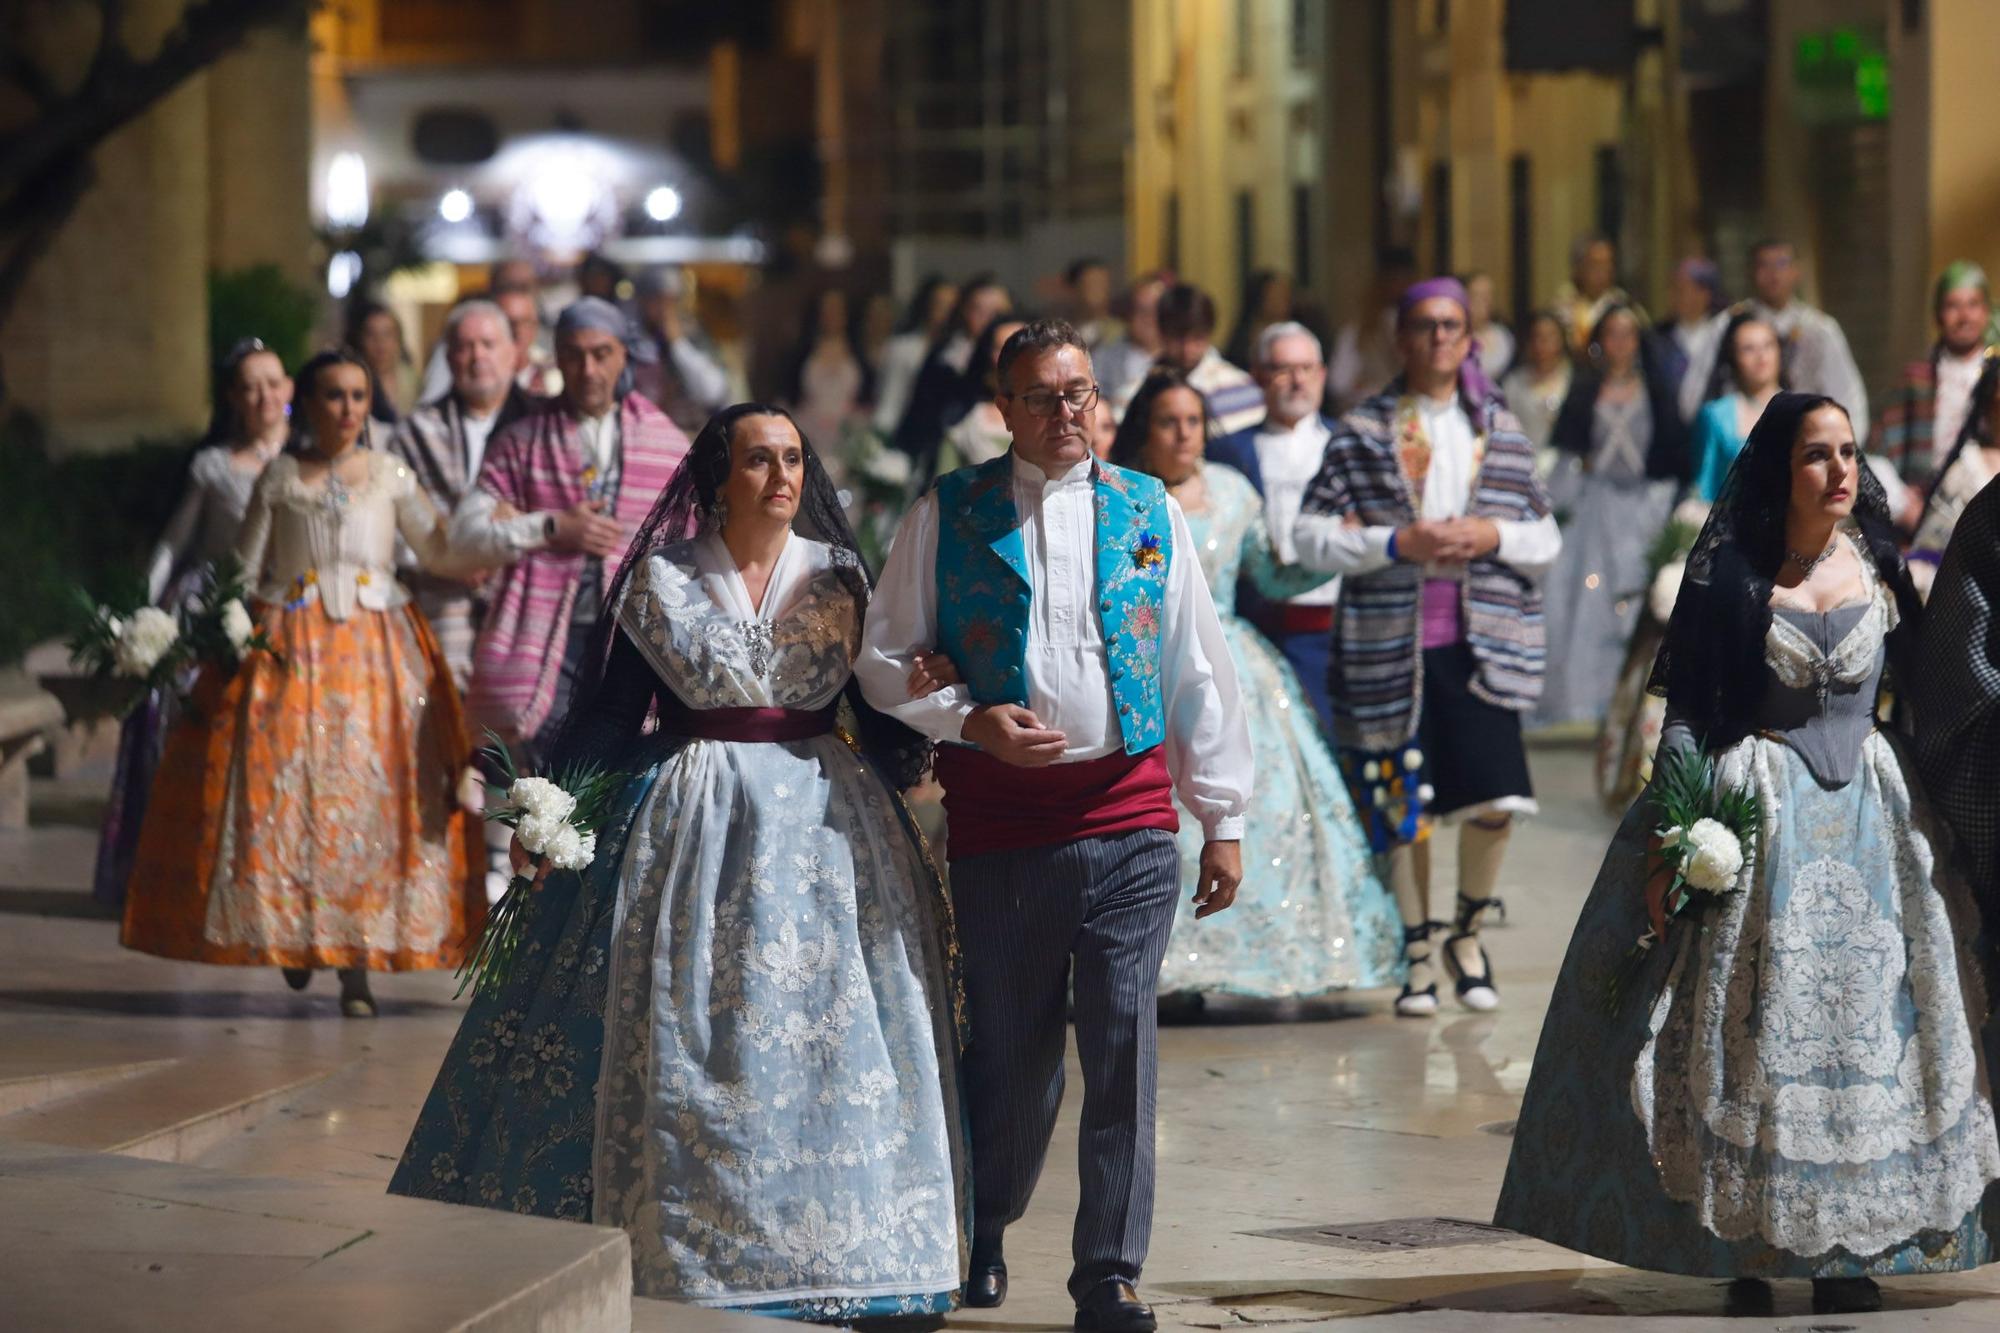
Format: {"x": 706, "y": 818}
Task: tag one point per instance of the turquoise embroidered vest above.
{"x": 984, "y": 592}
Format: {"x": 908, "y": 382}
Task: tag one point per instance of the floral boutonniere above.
{"x": 1146, "y": 552}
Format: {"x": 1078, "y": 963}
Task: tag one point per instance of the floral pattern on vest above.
{"x": 985, "y": 591}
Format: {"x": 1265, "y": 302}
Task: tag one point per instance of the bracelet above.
{"x": 1392, "y": 546}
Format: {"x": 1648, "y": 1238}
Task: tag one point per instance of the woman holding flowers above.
{"x": 735, "y": 1033}
{"x": 304, "y": 814}
{"x": 1789, "y": 1082}
{"x": 253, "y": 403}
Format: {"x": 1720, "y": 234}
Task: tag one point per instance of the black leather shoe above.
{"x": 1749, "y": 1298}
{"x": 1846, "y": 1295}
{"x": 1114, "y": 1307}
{"x": 986, "y": 1284}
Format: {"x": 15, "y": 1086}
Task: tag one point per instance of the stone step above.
{"x": 171, "y": 1112}
{"x": 111, "y": 1243}
{"x": 22, "y": 1092}
{"x": 651, "y": 1316}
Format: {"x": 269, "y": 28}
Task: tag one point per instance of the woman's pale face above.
{"x": 943, "y": 297}
{"x": 1545, "y": 344}
{"x": 1105, "y": 433}
{"x": 1826, "y": 466}
{"x": 982, "y": 308}
{"x": 767, "y": 469}
{"x": 1620, "y": 341}
{"x": 337, "y": 406}
{"x": 1175, "y": 435}
{"x": 261, "y": 395}
{"x": 1757, "y": 357}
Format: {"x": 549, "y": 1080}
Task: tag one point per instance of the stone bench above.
{"x": 27, "y": 717}
{"x": 88, "y": 735}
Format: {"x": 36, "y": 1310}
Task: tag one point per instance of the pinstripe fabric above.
{"x": 1102, "y": 908}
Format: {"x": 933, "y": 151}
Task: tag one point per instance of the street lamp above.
{"x": 455, "y": 206}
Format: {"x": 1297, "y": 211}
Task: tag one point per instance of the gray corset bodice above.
{"x": 1822, "y": 702}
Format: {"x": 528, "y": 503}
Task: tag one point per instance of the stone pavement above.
{"x": 1322, "y": 1165}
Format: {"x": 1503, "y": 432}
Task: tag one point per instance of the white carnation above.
{"x": 536, "y": 832}
{"x": 144, "y": 640}
{"x": 236, "y": 626}
{"x": 889, "y": 466}
{"x": 541, "y": 799}
{"x": 570, "y": 849}
{"x": 1692, "y": 511}
{"x": 1666, "y": 590}
{"x": 1716, "y": 857}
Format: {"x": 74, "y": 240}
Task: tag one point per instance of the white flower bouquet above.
{"x": 135, "y": 647}
{"x": 218, "y": 627}
{"x": 556, "y": 821}
{"x": 1706, "y": 832}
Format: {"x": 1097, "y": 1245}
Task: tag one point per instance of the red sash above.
{"x": 993, "y": 806}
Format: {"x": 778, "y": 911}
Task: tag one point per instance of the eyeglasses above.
{"x": 1044, "y": 402}
{"x": 1425, "y": 328}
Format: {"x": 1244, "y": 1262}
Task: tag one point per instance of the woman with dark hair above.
{"x": 982, "y": 432}
{"x": 1623, "y": 458}
{"x": 947, "y": 385}
{"x": 1792, "y": 1085}
{"x": 1700, "y": 317}
{"x": 1267, "y": 300}
{"x": 735, "y": 1034}
{"x": 1974, "y": 461}
{"x": 1539, "y": 382}
{"x": 828, "y": 377}
{"x": 374, "y": 331}
{"x": 903, "y": 354}
{"x": 1748, "y": 373}
{"x": 305, "y": 813}
{"x": 1326, "y": 923}
{"x": 253, "y": 403}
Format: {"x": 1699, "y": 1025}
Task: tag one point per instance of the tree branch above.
{"x": 119, "y": 89}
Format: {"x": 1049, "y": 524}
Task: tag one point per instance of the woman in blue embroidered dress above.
{"x": 1320, "y": 920}
{"x": 736, "y": 1034}
{"x": 1793, "y": 1085}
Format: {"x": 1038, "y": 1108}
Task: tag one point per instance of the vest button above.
{"x": 1125, "y": 708}
{"x": 1104, "y": 605}
{"x": 1019, "y": 632}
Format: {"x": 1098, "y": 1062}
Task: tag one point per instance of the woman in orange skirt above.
{"x": 304, "y": 813}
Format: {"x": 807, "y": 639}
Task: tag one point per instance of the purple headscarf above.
{"x": 1703, "y": 272}
{"x": 1471, "y": 376}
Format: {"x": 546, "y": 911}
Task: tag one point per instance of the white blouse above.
{"x": 1069, "y": 681}
{"x": 335, "y": 544}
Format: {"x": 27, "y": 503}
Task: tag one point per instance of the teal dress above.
{"x": 1793, "y": 1085}
{"x": 1717, "y": 441}
{"x": 1311, "y": 915}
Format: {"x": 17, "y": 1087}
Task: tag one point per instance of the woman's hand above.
{"x": 930, "y": 673}
{"x": 519, "y": 857}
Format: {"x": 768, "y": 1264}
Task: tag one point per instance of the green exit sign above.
{"x": 1840, "y": 76}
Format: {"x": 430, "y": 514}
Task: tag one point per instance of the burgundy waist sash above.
{"x": 993, "y": 806}
{"x": 749, "y": 725}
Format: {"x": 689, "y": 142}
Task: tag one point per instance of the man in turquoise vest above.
{"x": 1043, "y": 617}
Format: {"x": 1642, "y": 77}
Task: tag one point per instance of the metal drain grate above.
{"x": 1403, "y": 1233}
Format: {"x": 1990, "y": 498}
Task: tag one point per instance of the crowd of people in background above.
{"x": 1362, "y": 561}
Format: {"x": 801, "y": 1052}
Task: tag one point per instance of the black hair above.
{"x": 802, "y": 350}
{"x": 1723, "y": 376}
{"x": 223, "y": 427}
{"x": 1185, "y": 309}
{"x": 1128, "y": 446}
{"x": 1036, "y": 336}
{"x": 302, "y": 390}
{"x": 1073, "y": 274}
{"x": 917, "y": 313}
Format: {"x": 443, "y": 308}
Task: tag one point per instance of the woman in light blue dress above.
{"x": 736, "y": 1034}
{"x": 1792, "y": 1084}
{"x": 1314, "y": 918}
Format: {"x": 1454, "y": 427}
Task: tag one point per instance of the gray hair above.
{"x": 478, "y": 306}
{"x": 1286, "y": 328}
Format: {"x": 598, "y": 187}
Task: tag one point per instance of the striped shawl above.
{"x": 536, "y": 465}
{"x": 1903, "y": 433}
{"x": 1376, "y": 674}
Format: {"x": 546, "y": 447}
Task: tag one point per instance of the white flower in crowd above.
{"x": 1413, "y": 759}
{"x": 1692, "y": 511}
{"x": 1716, "y": 858}
{"x": 541, "y": 799}
{"x": 536, "y": 832}
{"x": 571, "y": 850}
{"x": 144, "y": 640}
{"x": 1666, "y": 590}
{"x": 236, "y": 626}
{"x": 1371, "y": 771}
{"x": 1427, "y": 793}
{"x": 891, "y": 466}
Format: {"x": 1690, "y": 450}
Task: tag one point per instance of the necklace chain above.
{"x": 1808, "y": 563}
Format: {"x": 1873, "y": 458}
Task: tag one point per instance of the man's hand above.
{"x": 1215, "y": 883}
{"x": 582, "y": 528}
{"x": 1013, "y": 735}
{"x": 930, "y": 673}
{"x": 1418, "y": 542}
{"x": 1463, "y": 539}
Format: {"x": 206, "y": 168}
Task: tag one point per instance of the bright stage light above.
{"x": 456, "y": 206}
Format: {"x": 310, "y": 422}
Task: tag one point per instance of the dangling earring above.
{"x": 721, "y": 513}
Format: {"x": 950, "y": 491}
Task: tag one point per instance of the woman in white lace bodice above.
{"x": 306, "y": 813}
{"x": 1794, "y": 1085}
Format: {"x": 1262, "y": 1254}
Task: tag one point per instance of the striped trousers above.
{"x": 1097, "y": 911}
